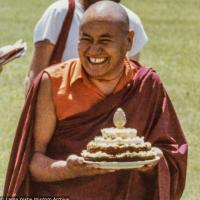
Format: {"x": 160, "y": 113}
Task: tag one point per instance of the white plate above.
{"x": 124, "y": 165}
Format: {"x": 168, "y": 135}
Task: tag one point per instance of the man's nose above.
{"x": 94, "y": 49}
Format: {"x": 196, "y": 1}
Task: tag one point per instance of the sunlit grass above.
{"x": 173, "y": 28}
{"x": 173, "y": 50}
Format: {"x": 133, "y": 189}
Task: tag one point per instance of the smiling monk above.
{"x": 71, "y": 102}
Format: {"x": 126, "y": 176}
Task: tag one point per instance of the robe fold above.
{"x": 148, "y": 109}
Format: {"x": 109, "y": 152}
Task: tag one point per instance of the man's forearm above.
{"x": 40, "y": 60}
{"x": 45, "y": 169}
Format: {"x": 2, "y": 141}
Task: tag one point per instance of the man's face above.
{"x": 102, "y": 48}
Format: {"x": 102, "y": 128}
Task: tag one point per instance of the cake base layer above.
{"x": 117, "y": 149}
{"x": 123, "y": 157}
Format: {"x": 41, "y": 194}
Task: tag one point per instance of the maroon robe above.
{"x": 148, "y": 109}
{"x": 62, "y": 38}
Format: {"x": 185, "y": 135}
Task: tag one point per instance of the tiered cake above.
{"x": 118, "y": 144}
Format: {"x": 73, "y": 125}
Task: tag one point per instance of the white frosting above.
{"x": 101, "y": 141}
{"x": 119, "y": 139}
{"x": 119, "y": 132}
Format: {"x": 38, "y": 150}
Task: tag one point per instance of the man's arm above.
{"x": 40, "y": 60}
{"x": 140, "y": 37}
{"x": 46, "y": 33}
{"x": 43, "y": 168}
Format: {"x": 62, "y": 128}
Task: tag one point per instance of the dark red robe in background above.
{"x": 148, "y": 109}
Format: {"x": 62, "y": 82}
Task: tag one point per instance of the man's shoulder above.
{"x": 146, "y": 73}
{"x": 133, "y": 17}
{"x": 62, "y": 69}
{"x": 140, "y": 37}
{"x": 61, "y": 6}
{"x": 58, "y": 6}
{"x": 60, "y": 75}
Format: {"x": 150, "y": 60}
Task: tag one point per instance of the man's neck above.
{"x": 107, "y": 86}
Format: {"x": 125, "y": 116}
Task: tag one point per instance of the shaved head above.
{"x": 104, "y": 40}
{"x": 108, "y": 11}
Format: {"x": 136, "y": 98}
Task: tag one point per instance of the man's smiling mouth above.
{"x": 97, "y": 60}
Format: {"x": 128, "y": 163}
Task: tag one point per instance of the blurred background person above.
{"x": 48, "y": 30}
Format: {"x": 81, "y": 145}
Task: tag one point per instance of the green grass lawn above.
{"x": 173, "y": 27}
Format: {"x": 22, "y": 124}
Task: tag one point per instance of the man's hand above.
{"x": 78, "y": 167}
{"x": 149, "y": 167}
{"x": 45, "y": 169}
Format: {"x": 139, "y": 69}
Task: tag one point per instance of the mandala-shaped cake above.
{"x": 118, "y": 144}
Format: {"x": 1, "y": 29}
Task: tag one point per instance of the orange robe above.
{"x": 74, "y": 93}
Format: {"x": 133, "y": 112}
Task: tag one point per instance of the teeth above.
{"x": 97, "y": 60}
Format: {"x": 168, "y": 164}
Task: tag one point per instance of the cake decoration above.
{"x": 118, "y": 144}
{"x": 119, "y": 118}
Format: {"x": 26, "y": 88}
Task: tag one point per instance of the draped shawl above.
{"x": 148, "y": 109}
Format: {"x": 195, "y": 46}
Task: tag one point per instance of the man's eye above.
{"x": 85, "y": 39}
{"x": 105, "y": 41}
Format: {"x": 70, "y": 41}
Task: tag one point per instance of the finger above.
{"x": 146, "y": 168}
{"x": 74, "y": 161}
{"x": 158, "y": 151}
{"x": 80, "y": 160}
{"x": 72, "y": 157}
{"x": 91, "y": 165}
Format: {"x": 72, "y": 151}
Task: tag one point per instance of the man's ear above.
{"x": 130, "y": 37}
